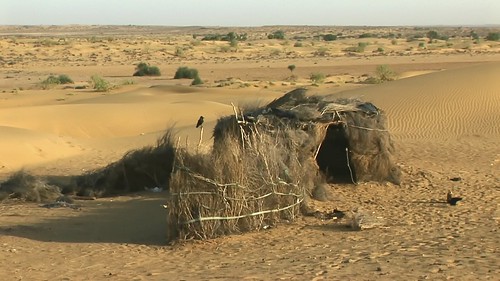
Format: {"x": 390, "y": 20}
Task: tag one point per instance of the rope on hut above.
{"x": 365, "y": 128}
{"x": 349, "y": 166}
{"x": 244, "y": 216}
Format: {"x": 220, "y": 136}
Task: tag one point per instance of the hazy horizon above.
{"x": 251, "y": 13}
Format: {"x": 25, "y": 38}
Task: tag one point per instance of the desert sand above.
{"x": 443, "y": 113}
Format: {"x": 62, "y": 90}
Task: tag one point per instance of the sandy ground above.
{"x": 443, "y": 111}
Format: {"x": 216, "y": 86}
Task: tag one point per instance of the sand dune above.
{"x": 20, "y": 147}
{"x": 446, "y": 104}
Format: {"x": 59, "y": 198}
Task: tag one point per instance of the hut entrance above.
{"x": 332, "y": 157}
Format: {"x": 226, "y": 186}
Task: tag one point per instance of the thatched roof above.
{"x": 370, "y": 145}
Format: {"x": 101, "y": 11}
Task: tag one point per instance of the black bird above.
{"x": 452, "y": 200}
{"x": 200, "y": 122}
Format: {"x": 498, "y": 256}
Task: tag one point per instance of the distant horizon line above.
{"x": 250, "y": 26}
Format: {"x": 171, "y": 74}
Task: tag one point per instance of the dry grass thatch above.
{"x": 238, "y": 188}
{"x": 25, "y": 187}
{"x": 138, "y": 169}
{"x": 348, "y": 138}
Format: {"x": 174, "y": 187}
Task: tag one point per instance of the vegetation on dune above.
{"x": 99, "y": 84}
{"x": 317, "y": 78}
{"x": 227, "y": 37}
{"x": 144, "y": 69}
{"x": 493, "y": 36}
{"x": 330, "y": 37}
{"x": 185, "y": 72}
{"x": 279, "y": 34}
{"x": 385, "y": 73}
{"x": 52, "y": 81}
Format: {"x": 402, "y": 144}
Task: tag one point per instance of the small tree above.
{"x": 291, "y": 67}
{"x": 432, "y": 35}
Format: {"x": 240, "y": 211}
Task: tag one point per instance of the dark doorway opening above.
{"x": 333, "y": 159}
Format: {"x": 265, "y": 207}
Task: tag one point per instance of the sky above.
{"x": 250, "y": 12}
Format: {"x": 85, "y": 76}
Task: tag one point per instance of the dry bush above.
{"x": 246, "y": 183}
{"x": 26, "y": 187}
{"x": 146, "y": 167}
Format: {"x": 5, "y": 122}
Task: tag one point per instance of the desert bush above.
{"x": 421, "y": 45}
{"x": 385, "y": 73}
{"x": 493, "y": 36}
{"x": 179, "y": 51}
{"x": 367, "y": 35}
{"x": 298, "y": 44}
{"x": 432, "y": 34}
{"x": 99, "y": 84}
{"x": 279, "y": 34}
{"x": 358, "y": 49}
{"x": 394, "y": 42}
{"x": 197, "y": 81}
{"x": 52, "y": 81}
{"x": 380, "y": 50}
{"x": 26, "y": 187}
{"x": 317, "y": 77}
{"x": 233, "y": 43}
{"x": 321, "y": 52}
{"x": 291, "y": 67}
{"x": 185, "y": 72}
{"x": 329, "y": 37}
{"x": 149, "y": 166}
{"x": 144, "y": 69}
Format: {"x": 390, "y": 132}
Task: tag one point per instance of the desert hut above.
{"x": 265, "y": 161}
{"x": 348, "y": 138}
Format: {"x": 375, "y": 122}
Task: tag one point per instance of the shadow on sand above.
{"x": 140, "y": 220}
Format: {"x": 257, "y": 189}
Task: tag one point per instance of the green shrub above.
{"x": 185, "y": 72}
{"x": 329, "y": 37}
{"x": 421, "y": 45}
{"x": 64, "y": 79}
{"x": 385, "y": 73}
{"x": 144, "y": 69}
{"x": 493, "y": 36}
{"x": 233, "y": 43}
{"x": 197, "y": 81}
{"x": 52, "y": 81}
{"x": 367, "y": 35}
{"x": 291, "y": 67}
{"x": 277, "y": 35}
{"x": 99, "y": 84}
{"x": 317, "y": 77}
